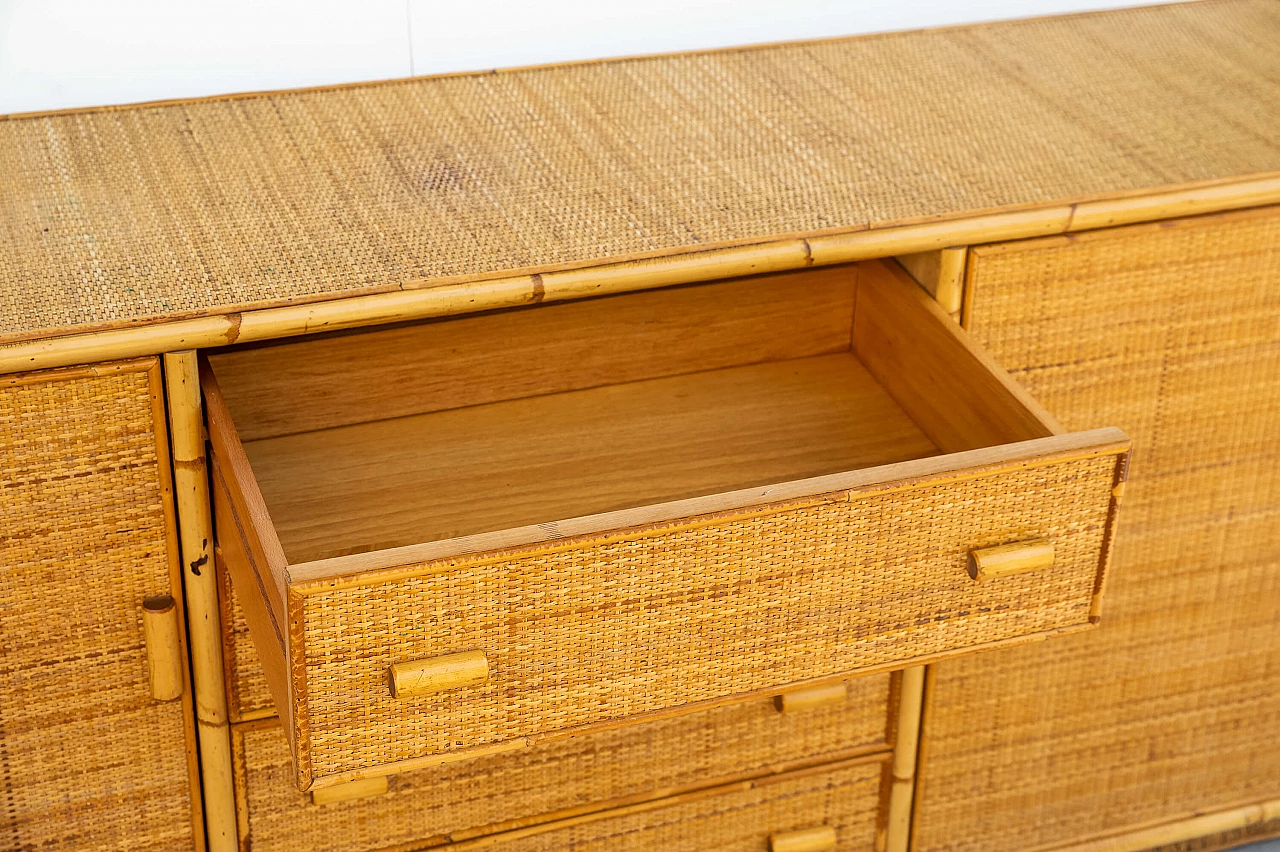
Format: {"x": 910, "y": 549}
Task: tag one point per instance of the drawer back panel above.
{"x": 294, "y": 386}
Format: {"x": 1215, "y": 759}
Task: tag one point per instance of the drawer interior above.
{"x": 438, "y": 430}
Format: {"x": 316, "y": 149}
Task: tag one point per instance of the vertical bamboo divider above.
{"x": 950, "y": 289}
{"x": 941, "y": 273}
{"x": 905, "y": 749}
{"x": 195, "y": 532}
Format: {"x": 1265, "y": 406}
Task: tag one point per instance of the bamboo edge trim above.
{"x": 1177, "y": 831}
{"x": 195, "y": 533}
{"x": 90, "y": 371}
{"x": 427, "y": 761}
{"x": 798, "y": 240}
{"x": 344, "y": 572}
{"x": 154, "y": 368}
{"x": 412, "y": 303}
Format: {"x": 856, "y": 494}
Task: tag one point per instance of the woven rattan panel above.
{"x": 107, "y": 217}
{"x": 741, "y": 820}
{"x": 87, "y": 759}
{"x": 613, "y": 627}
{"x": 712, "y": 746}
{"x": 1173, "y": 707}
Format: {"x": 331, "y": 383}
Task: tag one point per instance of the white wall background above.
{"x": 69, "y": 53}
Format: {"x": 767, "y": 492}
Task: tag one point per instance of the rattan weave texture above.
{"x": 717, "y": 745}
{"x": 1173, "y": 334}
{"x": 87, "y": 759}
{"x": 114, "y": 216}
{"x": 587, "y": 631}
{"x": 846, "y": 799}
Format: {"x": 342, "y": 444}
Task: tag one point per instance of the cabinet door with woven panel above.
{"x": 1171, "y": 331}
{"x": 95, "y": 737}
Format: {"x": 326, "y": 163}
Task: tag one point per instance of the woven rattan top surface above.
{"x": 116, "y": 216}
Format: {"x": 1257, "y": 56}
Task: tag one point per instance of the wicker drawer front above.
{"x": 744, "y": 818}
{"x": 555, "y": 779}
{"x": 388, "y": 658}
{"x": 89, "y": 760}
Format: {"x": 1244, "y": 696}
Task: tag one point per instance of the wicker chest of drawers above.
{"x": 864, "y": 444}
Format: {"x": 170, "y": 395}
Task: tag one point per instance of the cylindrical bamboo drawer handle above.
{"x": 361, "y": 788}
{"x": 812, "y": 697}
{"x": 421, "y": 677}
{"x": 990, "y": 562}
{"x": 819, "y": 838}
{"x": 164, "y": 651}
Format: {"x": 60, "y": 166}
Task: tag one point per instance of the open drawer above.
{"x": 464, "y": 536}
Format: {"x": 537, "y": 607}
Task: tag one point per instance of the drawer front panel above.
{"x": 635, "y": 762}
{"x": 620, "y": 626}
{"x": 738, "y": 820}
{"x": 88, "y": 759}
{"x": 1172, "y": 332}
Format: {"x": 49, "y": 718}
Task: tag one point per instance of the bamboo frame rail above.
{"x": 424, "y": 300}
{"x": 195, "y": 532}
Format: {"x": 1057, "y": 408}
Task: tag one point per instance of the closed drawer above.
{"x": 553, "y": 780}
{"x": 467, "y": 536}
{"x": 823, "y": 810}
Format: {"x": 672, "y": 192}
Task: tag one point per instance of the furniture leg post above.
{"x": 191, "y": 485}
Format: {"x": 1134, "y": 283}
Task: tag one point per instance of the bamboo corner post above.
{"x": 195, "y": 534}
